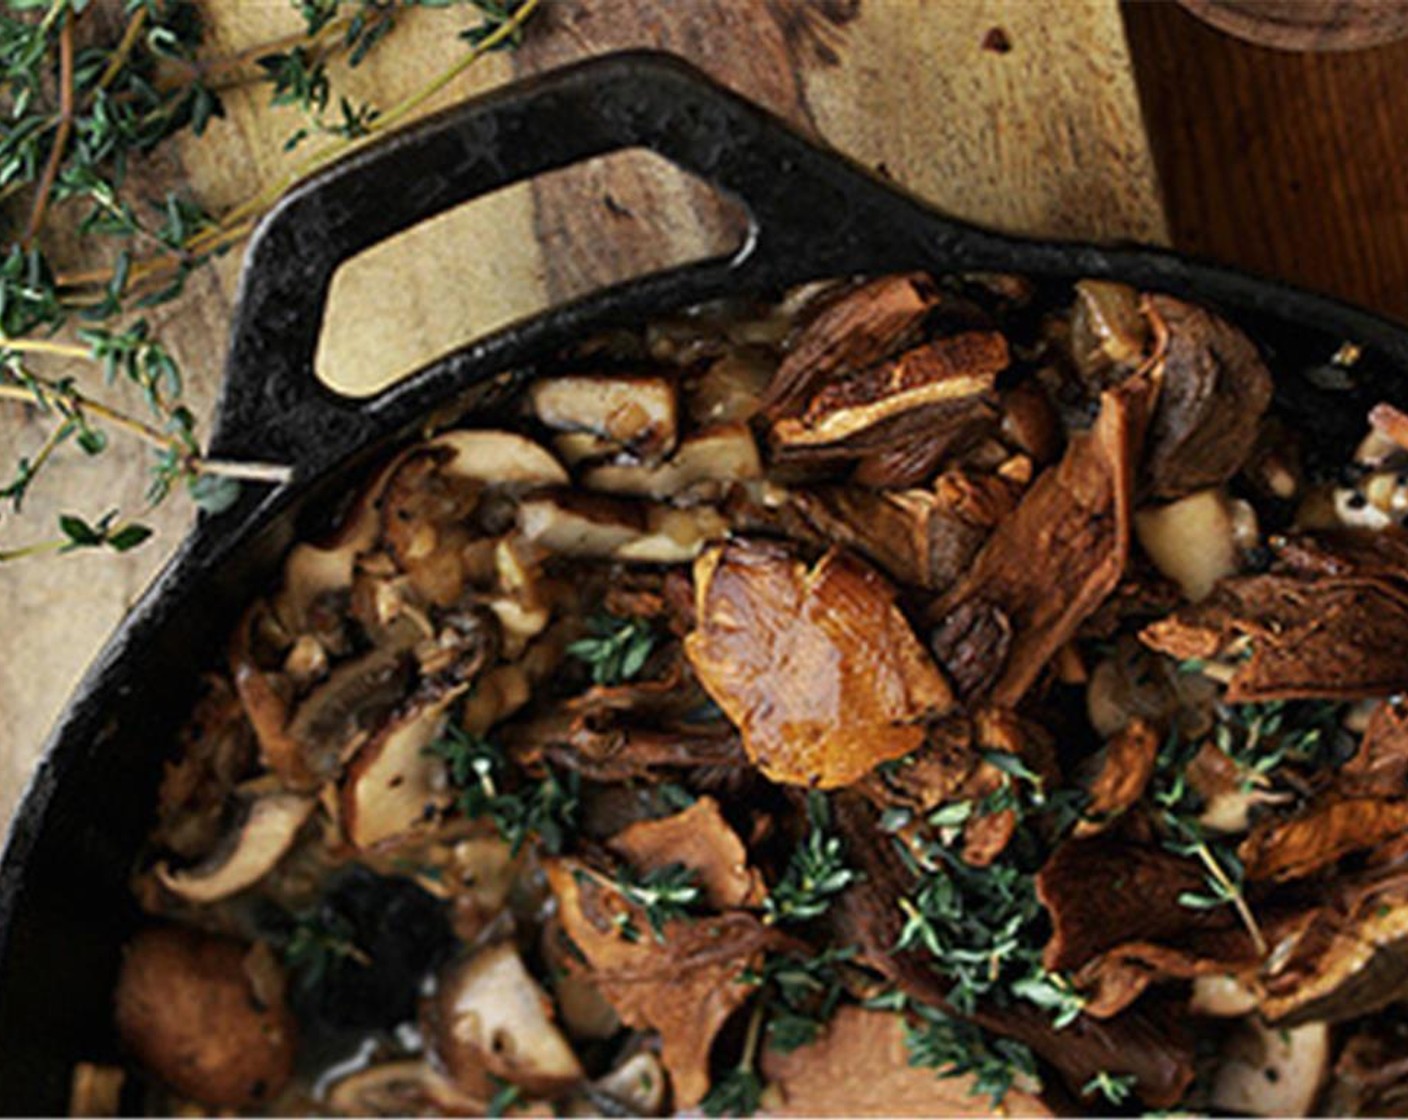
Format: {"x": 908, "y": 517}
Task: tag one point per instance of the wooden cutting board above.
{"x": 1014, "y": 113}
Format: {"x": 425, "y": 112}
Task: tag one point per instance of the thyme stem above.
{"x": 130, "y": 35}
{"x": 61, "y": 134}
{"x": 1234, "y": 893}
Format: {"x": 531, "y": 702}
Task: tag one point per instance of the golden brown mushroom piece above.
{"x": 816, "y": 666}
{"x": 192, "y": 1011}
{"x": 490, "y": 1020}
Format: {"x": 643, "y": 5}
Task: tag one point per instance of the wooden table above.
{"x": 992, "y": 109}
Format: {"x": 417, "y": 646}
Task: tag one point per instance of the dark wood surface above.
{"x": 1289, "y": 164}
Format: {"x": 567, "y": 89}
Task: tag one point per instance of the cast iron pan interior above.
{"x": 64, "y": 907}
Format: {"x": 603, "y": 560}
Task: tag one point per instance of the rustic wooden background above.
{"x": 997, "y": 110}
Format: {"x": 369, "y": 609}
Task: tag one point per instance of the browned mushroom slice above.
{"x": 1088, "y": 919}
{"x": 497, "y": 458}
{"x": 1054, "y": 561}
{"x": 353, "y": 700}
{"x": 724, "y": 454}
{"x": 924, "y": 538}
{"x": 860, "y": 1066}
{"x": 674, "y": 536}
{"x": 579, "y": 524}
{"x": 1268, "y": 1071}
{"x": 490, "y": 1021}
{"x": 1329, "y": 621}
{"x": 593, "y": 526}
{"x": 635, "y": 412}
{"x": 401, "y": 1087}
{"x": 817, "y": 667}
{"x": 189, "y": 1010}
{"x": 698, "y": 838}
{"x": 850, "y": 330}
{"x": 1342, "y": 961}
{"x": 270, "y": 825}
{"x": 1213, "y": 389}
{"x": 1109, "y": 334}
{"x": 684, "y": 985}
{"x": 927, "y": 387}
{"x": 1126, "y": 765}
{"x": 313, "y": 570}
{"x": 392, "y": 783}
{"x": 1329, "y": 829}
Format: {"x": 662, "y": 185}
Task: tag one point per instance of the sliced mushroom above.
{"x": 636, "y": 1087}
{"x": 356, "y": 696}
{"x": 1273, "y": 1072}
{"x": 313, "y": 570}
{"x": 635, "y": 412}
{"x": 392, "y": 784}
{"x": 95, "y": 1090}
{"x": 674, "y": 536}
{"x": 731, "y": 390}
{"x": 490, "y": 1020}
{"x": 498, "y": 459}
{"x": 1109, "y": 335}
{"x": 189, "y": 1011}
{"x": 580, "y": 525}
{"x": 404, "y": 1087}
{"x": 268, "y": 830}
{"x": 943, "y": 378}
{"x": 1191, "y": 540}
{"x": 727, "y": 453}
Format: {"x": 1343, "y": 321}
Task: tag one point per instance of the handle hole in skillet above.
{"x": 512, "y": 254}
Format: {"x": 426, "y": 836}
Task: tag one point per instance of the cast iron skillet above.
{"x": 64, "y": 904}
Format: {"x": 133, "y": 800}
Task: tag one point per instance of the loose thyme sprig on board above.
{"x": 79, "y": 109}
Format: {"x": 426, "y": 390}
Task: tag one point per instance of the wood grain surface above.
{"x": 1287, "y": 164}
{"x": 993, "y": 110}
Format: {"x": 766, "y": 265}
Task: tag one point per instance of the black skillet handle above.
{"x": 802, "y": 204}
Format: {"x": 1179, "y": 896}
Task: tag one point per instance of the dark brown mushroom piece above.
{"x": 943, "y": 385}
{"x": 1062, "y": 552}
{"x": 192, "y": 1010}
{"x": 1213, "y": 390}
{"x": 850, "y": 329}
{"x": 1329, "y": 621}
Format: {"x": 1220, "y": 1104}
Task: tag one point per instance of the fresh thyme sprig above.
{"x": 77, "y": 113}
{"x": 666, "y": 894}
{"x": 816, "y": 871}
{"x": 616, "y": 649}
{"x": 520, "y": 809}
{"x": 954, "y": 1047}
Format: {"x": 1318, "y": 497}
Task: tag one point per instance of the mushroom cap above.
{"x": 189, "y": 1008}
